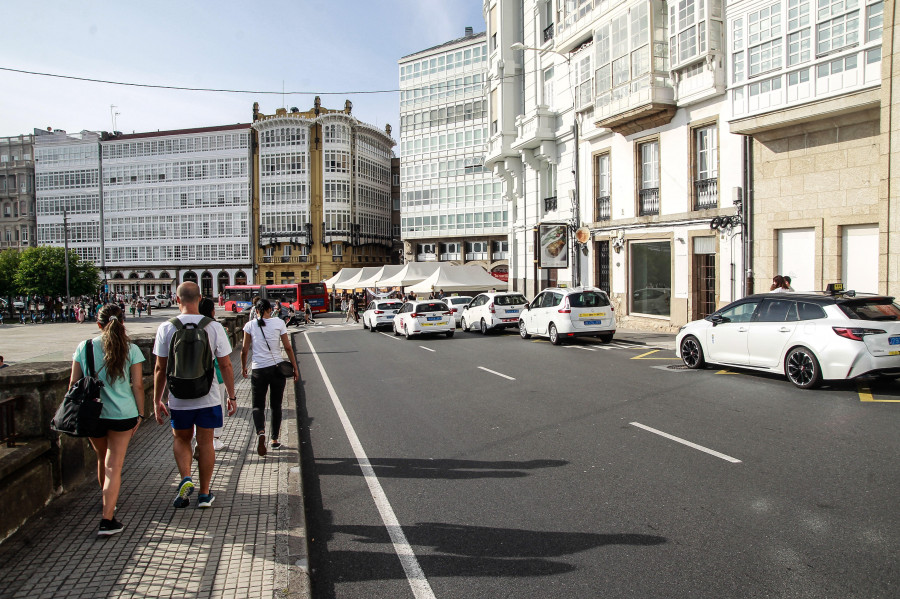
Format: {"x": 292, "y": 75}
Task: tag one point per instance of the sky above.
{"x": 299, "y": 46}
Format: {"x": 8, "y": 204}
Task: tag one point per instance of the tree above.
{"x": 42, "y": 271}
{"x": 9, "y": 264}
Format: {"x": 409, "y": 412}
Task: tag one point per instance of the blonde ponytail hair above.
{"x": 115, "y": 341}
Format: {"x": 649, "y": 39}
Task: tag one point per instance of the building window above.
{"x": 601, "y": 187}
{"x": 874, "y": 21}
{"x": 476, "y": 250}
{"x": 500, "y": 250}
{"x": 494, "y": 115}
{"x": 584, "y": 82}
{"x": 798, "y": 47}
{"x": 337, "y": 252}
{"x": 648, "y": 168}
{"x": 493, "y": 24}
{"x": 837, "y": 26}
{"x": 450, "y": 251}
{"x": 651, "y": 278}
{"x": 548, "y": 87}
{"x": 706, "y": 167}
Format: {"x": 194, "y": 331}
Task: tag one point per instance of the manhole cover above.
{"x": 677, "y": 367}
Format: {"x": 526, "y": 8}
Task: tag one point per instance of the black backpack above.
{"x": 190, "y": 368}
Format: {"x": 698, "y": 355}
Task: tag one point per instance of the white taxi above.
{"x": 562, "y": 313}
{"x": 490, "y": 311}
{"x": 380, "y": 313}
{"x": 425, "y": 316}
{"x": 808, "y": 337}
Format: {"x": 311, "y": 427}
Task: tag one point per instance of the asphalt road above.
{"x": 557, "y": 481}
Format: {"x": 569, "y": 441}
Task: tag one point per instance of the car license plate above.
{"x": 894, "y": 353}
{"x": 592, "y": 315}
{"x": 894, "y": 340}
{"x": 593, "y": 322}
{"x": 389, "y": 316}
{"x": 434, "y": 317}
{"x": 512, "y": 311}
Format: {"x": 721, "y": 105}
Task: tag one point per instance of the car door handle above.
{"x": 742, "y": 330}
{"x": 784, "y": 330}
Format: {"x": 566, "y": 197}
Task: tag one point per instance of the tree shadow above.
{"x": 433, "y": 468}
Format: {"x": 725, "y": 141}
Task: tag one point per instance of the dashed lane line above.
{"x": 711, "y": 452}
{"x": 497, "y": 373}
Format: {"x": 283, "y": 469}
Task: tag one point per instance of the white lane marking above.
{"x": 495, "y": 372}
{"x": 389, "y": 336}
{"x": 420, "y": 587}
{"x": 426, "y": 348}
{"x": 727, "y": 458}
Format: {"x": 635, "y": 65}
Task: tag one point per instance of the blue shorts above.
{"x": 210, "y": 417}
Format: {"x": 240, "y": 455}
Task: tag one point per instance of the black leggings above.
{"x": 261, "y": 381}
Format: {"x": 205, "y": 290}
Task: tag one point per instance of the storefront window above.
{"x": 651, "y": 278}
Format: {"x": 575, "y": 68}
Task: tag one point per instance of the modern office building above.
{"x": 176, "y": 207}
{"x": 452, "y": 207}
{"x": 67, "y": 187}
{"x": 17, "y": 205}
{"x": 609, "y": 124}
{"x": 322, "y": 193}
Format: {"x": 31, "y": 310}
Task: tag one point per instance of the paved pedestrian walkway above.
{"x": 249, "y": 544}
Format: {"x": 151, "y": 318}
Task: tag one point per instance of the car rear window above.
{"x": 432, "y": 307}
{"x": 389, "y": 306}
{"x": 510, "y": 300}
{"x": 875, "y": 309}
{"x": 588, "y": 299}
{"x": 460, "y": 300}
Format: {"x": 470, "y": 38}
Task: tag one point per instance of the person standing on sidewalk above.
{"x": 208, "y": 308}
{"x": 205, "y": 412}
{"x": 118, "y": 365}
{"x": 264, "y": 334}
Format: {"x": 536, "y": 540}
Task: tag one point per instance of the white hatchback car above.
{"x": 490, "y": 311}
{"x": 380, "y": 313}
{"x": 807, "y": 337}
{"x": 457, "y": 303}
{"x": 424, "y": 316}
{"x": 159, "y": 301}
{"x": 560, "y": 313}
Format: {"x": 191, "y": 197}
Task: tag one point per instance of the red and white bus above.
{"x": 238, "y": 297}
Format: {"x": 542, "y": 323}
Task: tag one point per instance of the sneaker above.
{"x": 261, "y": 444}
{"x": 109, "y": 528}
{"x": 218, "y": 445}
{"x": 184, "y": 489}
{"x": 276, "y": 445}
{"x": 204, "y": 501}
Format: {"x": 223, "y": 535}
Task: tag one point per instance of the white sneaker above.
{"x": 218, "y": 444}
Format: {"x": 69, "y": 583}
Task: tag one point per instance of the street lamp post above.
{"x": 66, "y": 245}
{"x": 576, "y": 221}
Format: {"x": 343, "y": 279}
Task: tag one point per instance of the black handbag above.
{"x": 79, "y": 412}
{"x": 284, "y": 367}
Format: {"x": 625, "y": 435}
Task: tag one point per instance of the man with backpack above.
{"x": 185, "y": 349}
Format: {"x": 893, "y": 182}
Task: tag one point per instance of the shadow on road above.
{"x": 433, "y": 469}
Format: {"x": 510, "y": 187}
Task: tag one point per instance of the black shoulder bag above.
{"x": 285, "y": 368}
{"x": 79, "y": 412}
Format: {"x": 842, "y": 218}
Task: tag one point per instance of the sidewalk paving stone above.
{"x": 237, "y": 548}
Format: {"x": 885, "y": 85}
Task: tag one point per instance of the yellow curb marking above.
{"x": 865, "y": 394}
{"x": 727, "y": 372}
{"x": 652, "y": 351}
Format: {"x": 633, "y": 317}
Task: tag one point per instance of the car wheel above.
{"x": 373, "y": 329}
{"x": 692, "y": 353}
{"x": 484, "y": 328}
{"x": 802, "y": 368}
{"x": 394, "y": 326}
{"x": 450, "y": 333}
{"x": 523, "y": 330}
{"x": 606, "y": 338}
{"x": 406, "y": 332}
{"x": 365, "y": 326}
{"x": 554, "y": 335}
{"x": 462, "y": 324}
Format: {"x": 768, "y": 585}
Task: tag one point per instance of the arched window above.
{"x": 190, "y": 276}
{"x": 206, "y": 287}
{"x": 240, "y": 278}
{"x": 223, "y": 280}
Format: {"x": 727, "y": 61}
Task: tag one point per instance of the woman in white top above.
{"x": 264, "y": 335}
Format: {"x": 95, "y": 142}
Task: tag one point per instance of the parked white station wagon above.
{"x": 492, "y": 311}
{"x": 562, "y": 313}
{"x": 425, "y": 316}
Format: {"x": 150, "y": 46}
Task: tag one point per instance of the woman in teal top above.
{"x": 118, "y": 365}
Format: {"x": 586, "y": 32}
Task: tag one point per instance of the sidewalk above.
{"x": 251, "y": 543}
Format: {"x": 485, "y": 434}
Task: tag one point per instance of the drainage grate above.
{"x": 677, "y": 367}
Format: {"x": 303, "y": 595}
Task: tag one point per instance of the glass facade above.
{"x": 651, "y": 278}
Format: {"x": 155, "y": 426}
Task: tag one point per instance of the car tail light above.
{"x": 379, "y": 311}
{"x": 447, "y": 313}
{"x": 414, "y": 315}
{"x": 566, "y": 309}
{"x": 491, "y": 307}
{"x": 855, "y": 333}
{"x": 453, "y": 310}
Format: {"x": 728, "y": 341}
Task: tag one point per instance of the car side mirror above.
{"x": 717, "y": 319}
{"x": 526, "y": 307}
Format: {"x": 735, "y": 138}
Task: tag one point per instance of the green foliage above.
{"x": 9, "y": 264}
{"x": 42, "y": 271}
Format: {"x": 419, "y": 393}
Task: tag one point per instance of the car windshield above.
{"x": 460, "y": 300}
{"x": 871, "y": 309}
{"x": 588, "y": 299}
{"x": 389, "y": 306}
{"x": 510, "y": 300}
{"x": 432, "y": 307}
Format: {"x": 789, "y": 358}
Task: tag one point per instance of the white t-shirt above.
{"x": 218, "y": 341}
{"x": 262, "y": 355}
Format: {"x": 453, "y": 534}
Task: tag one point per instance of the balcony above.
{"x": 535, "y": 128}
{"x": 426, "y": 257}
{"x": 649, "y": 201}
{"x": 706, "y": 194}
{"x": 548, "y": 33}
{"x": 645, "y": 104}
{"x": 550, "y": 204}
{"x": 604, "y": 208}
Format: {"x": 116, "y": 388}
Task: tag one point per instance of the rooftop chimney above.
{"x": 469, "y": 32}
